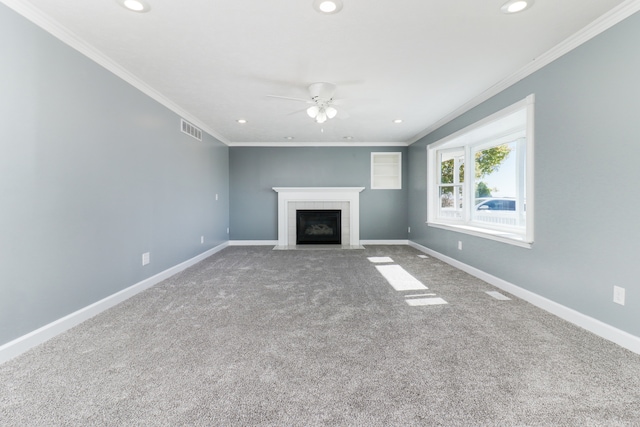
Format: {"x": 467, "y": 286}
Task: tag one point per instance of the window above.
{"x": 480, "y": 179}
{"x": 386, "y": 171}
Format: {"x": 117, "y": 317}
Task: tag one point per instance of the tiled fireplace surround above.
{"x": 346, "y": 199}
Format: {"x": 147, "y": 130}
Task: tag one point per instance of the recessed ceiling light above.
{"x": 515, "y": 6}
{"x": 288, "y": 138}
{"x": 135, "y": 5}
{"x": 241, "y": 121}
{"x": 327, "y": 7}
{"x": 348, "y": 138}
{"x": 397, "y": 121}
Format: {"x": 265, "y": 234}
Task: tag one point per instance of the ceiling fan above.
{"x": 321, "y": 98}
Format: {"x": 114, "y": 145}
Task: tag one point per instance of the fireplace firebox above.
{"x": 318, "y": 227}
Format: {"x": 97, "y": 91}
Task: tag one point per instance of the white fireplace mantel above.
{"x": 298, "y": 195}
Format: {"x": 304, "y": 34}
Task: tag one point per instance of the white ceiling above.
{"x": 419, "y": 60}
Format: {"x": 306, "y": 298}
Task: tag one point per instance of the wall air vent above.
{"x": 190, "y": 129}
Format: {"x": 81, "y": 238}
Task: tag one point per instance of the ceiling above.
{"x": 217, "y": 61}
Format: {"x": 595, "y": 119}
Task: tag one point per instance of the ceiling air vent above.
{"x": 190, "y": 129}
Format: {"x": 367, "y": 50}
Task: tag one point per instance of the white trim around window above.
{"x": 493, "y": 199}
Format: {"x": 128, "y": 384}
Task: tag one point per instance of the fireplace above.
{"x": 345, "y": 199}
{"x": 318, "y": 227}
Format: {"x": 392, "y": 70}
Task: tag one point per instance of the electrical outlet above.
{"x": 216, "y": 196}
{"x": 409, "y": 229}
{"x": 618, "y": 295}
{"x": 201, "y": 239}
{"x": 145, "y": 258}
{"x": 227, "y": 230}
{"x": 459, "y": 245}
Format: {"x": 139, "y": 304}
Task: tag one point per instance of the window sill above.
{"x": 498, "y": 236}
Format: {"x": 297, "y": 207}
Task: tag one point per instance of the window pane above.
{"x": 446, "y": 171}
{"x": 447, "y": 197}
{"x": 451, "y": 202}
{"x": 452, "y": 167}
{"x": 497, "y": 187}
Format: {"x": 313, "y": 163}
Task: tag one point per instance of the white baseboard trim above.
{"x": 384, "y": 242}
{"x": 275, "y": 242}
{"x": 253, "y": 242}
{"x": 603, "y": 330}
{"x": 22, "y": 344}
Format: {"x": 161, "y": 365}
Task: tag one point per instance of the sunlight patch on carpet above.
{"x": 400, "y": 278}
{"x": 378, "y": 259}
{"x": 498, "y": 295}
{"x": 419, "y": 295}
{"x": 425, "y": 301}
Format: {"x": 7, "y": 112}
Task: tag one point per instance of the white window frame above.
{"x": 515, "y": 122}
{"x": 395, "y": 173}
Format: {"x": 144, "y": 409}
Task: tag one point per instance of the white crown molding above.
{"x": 66, "y": 36}
{"x": 318, "y": 144}
{"x": 603, "y": 23}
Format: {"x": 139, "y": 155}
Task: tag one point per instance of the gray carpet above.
{"x": 253, "y": 336}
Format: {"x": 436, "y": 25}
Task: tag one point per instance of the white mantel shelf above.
{"x": 315, "y": 190}
{"x": 288, "y": 195}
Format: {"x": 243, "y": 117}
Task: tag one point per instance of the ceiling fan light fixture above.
{"x": 313, "y": 111}
{"x": 515, "y": 6}
{"x": 140, "y": 6}
{"x": 322, "y": 116}
{"x": 327, "y": 7}
{"x": 331, "y": 112}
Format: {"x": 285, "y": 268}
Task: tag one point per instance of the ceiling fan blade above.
{"x": 293, "y": 113}
{"x": 322, "y": 90}
{"x": 308, "y": 101}
{"x": 342, "y": 114}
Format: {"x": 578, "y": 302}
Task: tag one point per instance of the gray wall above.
{"x": 587, "y": 151}
{"x": 256, "y": 170}
{"x": 92, "y": 174}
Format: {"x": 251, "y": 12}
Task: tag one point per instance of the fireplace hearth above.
{"x": 318, "y": 227}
